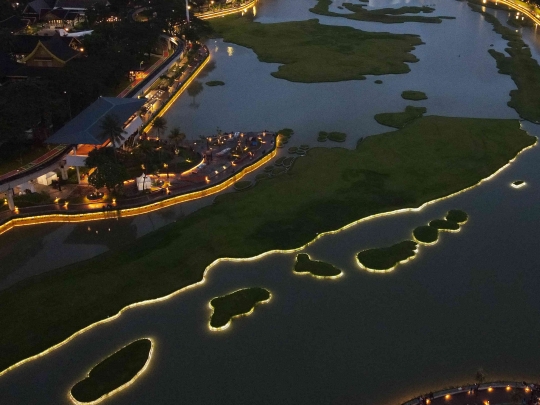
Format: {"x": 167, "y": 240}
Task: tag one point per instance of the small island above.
{"x": 457, "y": 216}
{"x": 518, "y": 184}
{"x": 314, "y": 267}
{"x": 241, "y": 302}
{"x": 444, "y": 225}
{"x": 386, "y": 259}
{"x": 332, "y": 136}
{"x": 413, "y": 95}
{"x": 426, "y": 235}
{"x": 213, "y": 83}
{"x": 114, "y": 373}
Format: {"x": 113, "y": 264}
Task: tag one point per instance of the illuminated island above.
{"x": 238, "y": 303}
{"x": 314, "y": 267}
{"x": 114, "y": 373}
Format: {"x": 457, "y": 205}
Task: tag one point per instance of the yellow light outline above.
{"x": 303, "y": 273}
{"x": 260, "y": 256}
{"x": 120, "y": 388}
{"x": 226, "y": 326}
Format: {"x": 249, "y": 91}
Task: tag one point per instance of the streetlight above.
{"x": 187, "y": 12}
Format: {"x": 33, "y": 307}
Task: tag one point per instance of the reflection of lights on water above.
{"x": 123, "y": 386}
{"x": 230, "y": 50}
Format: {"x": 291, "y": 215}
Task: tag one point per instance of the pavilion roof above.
{"x": 85, "y": 128}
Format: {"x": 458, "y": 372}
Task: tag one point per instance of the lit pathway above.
{"x": 487, "y": 394}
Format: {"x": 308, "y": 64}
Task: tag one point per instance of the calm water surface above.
{"x": 469, "y": 301}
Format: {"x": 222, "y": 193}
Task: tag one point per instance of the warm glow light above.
{"x": 447, "y": 396}
{"x": 207, "y": 16}
{"x": 123, "y": 386}
{"x": 226, "y": 326}
{"x": 508, "y": 388}
{"x": 490, "y": 389}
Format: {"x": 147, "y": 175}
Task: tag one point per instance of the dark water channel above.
{"x": 469, "y": 301}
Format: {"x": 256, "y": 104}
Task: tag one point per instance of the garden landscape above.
{"x": 388, "y": 228}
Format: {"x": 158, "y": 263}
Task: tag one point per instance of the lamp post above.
{"x": 187, "y": 12}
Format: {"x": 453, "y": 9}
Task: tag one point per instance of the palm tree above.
{"x": 160, "y": 124}
{"x": 112, "y": 130}
{"x": 177, "y": 137}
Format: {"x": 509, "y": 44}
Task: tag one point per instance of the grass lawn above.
{"x": 319, "y": 269}
{"x": 113, "y": 372}
{"x": 237, "y": 303}
{"x": 382, "y": 15}
{"x": 324, "y": 190}
{"x": 312, "y": 52}
{"x": 399, "y": 120}
{"x": 15, "y": 156}
{"x": 520, "y": 65}
{"x": 414, "y": 95}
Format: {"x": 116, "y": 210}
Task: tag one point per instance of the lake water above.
{"x": 469, "y": 301}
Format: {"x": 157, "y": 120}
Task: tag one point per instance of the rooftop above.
{"x": 85, "y": 128}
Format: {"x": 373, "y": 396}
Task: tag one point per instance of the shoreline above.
{"x": 257, "y": 257}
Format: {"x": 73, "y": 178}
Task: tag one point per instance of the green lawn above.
{"x": 382, "y": 15}
{"x": 312, "y": 52}
{"x": 325, "y": 190}
{"x": 386, "y": 258}
{"x": 521, "y": 66}
{"x": 399, "y": 120}
{"x": 237, "y": 303}
{"x": 113, "y": 372}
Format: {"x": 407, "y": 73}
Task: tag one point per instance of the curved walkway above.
{"x": 522, "y": 9}
{"x": 494, "y": 393}
{"x": 232, "y": 10}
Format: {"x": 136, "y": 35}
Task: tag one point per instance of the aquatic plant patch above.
{"x": 115, "y": 371}
{"x": 241, "y": 302}
{"x": 311, "y": 52}
{"x": 317, "y": 268}
{"x": 400, "y": 119}
{"x": 413, "y": 95}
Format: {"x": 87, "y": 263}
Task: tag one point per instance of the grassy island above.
{"x": 457, "y": 216}
{"x": 382, "y": 15}
{"x": 518, "y": 184}
{"x": 521, "y": 66}
{"x": 399, "y": 120}
{"x": 426, "y": 234}
{"x": 325, "y": 190}
{"x": 413, "y": 95}
{"x": 311, "y": 52}
{"x": 115, "y": 371}
{"x": 213, "y": 83}
{"x": 386, "y": 259}
{"x": 316, "y": 268}
{"x": 332, "y": 136}
{"x": 241, "y": 302}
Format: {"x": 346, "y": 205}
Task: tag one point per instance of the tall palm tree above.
{"x": 111, "y": 129}
{"x": 160, "y": 124}
{"x": 176, "y": 136}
